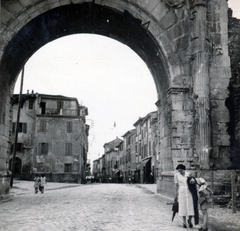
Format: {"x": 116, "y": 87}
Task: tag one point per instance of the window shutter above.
{"x": 24, "y": 127}
{"x": 68, "y": 149}
{"x": 30, "y": 106}
{"x": 44, "y": 126}
{"x": 45, "y": 145}
{"x": 40, "y": 148}
{"x": 13, "y": 127}
{"x": 69, "y": 126}
{"x": 59, "y": 105}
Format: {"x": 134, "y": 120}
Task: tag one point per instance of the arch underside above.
{"x": 84, "y": 18}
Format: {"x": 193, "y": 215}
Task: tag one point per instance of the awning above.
{"x": 142, "y": 164}
{"x": 116, "y": 171}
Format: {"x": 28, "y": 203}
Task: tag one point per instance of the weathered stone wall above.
{"x": 234, "y": 87}
{"x": 219, "y": 75}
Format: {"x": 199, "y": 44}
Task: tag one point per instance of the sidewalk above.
{"x": 22, "y": 187}
{"x": 219, "y": 218}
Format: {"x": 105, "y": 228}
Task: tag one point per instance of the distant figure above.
{"x": 121, "y": 179}
{"x": 37, "y": 183}
{"x": 151, "y": 177}
{"x": 43, "y": 182}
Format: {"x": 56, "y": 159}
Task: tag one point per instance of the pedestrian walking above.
{"x": 183, "y": 195}
{"x": 37, "y": 183}
{"x": 43, "y": 183}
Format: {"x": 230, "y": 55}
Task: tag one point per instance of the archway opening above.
{"x": 106, "y": 76}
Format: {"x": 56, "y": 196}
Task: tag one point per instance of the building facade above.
{"x": 133, "y": 159}
{"x": 52, "y": 137}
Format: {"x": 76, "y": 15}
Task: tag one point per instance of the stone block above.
{"x": 166, "y": 45}
{"x": 219, "y": 93}
{"x": 179, "y": 115}
{"x": 177, "y": 104}
{"x": 178, "y": 30}
{"x": 221, "y": 60}
{"x": 219, "y": 82}
{"x": 148, "y": 5}
{"x": 6, "y": 16}
{"x": 218, "y": 105}
{"x": 174, "y": 60}
{"x": 182, "y": 43}
{"x": 225, "y": 139}
{"x": 13, "y": 7}
{"x": 160, "y": 11}
{"x": 27, "y": 3}
{"x": 168, "y": 20}
{"x": 220, "y": 71}
{"x": 175, "y": 73}
{"x": 165, "y": 142}
{"x": 41, "y": 7}
{"x": 221, "y": 116}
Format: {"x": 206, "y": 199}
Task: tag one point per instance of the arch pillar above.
{"x": 200, "y": 80}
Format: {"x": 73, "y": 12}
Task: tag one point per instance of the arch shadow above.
{"x": 84, "y": 18}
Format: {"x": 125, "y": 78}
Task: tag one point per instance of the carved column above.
{"x": 200, "y": 77}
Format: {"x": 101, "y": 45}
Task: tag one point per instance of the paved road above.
{"x": 92, "y": 207}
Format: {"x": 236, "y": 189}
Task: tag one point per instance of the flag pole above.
{"x": 16, "y": 129}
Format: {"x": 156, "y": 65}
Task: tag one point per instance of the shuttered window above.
{"x": 30, "y": 106}
{"x": 68, "y": 151}
{"x": 59, "y": 105}
{"x": 43, "y": 148}
{"x": 22, "y": 127}
{"x": 43, "y": 126}
{"x": 69, "y": 126}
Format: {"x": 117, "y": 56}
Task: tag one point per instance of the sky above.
{"x": 104, "y": 75}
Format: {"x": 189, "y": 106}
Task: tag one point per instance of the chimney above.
{"x": 32, "y": 91}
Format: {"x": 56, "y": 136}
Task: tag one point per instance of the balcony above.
{"x": 63, "y": 112}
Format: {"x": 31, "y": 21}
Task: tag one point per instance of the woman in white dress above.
{"x": 184, "y": 196}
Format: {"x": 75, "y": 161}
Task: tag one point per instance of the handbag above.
{"x": 175, "y": 206}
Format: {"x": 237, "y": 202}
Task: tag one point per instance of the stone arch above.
{"x": 122, "y": 21}
{"x": 171, "y": 38}
{"x": 118, "y": 23}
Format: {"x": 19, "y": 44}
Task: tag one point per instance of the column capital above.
{"x": 194, "y": 3}
{"x": 175, "y": 3}
{"x": 176, "y": 90}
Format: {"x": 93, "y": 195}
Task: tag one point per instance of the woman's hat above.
{"x": 181, "y": 166}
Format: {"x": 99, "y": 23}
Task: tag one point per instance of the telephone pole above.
{"x": 16, "y": 129}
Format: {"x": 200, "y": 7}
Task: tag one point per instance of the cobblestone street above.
{"x": 87, "y": 207}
